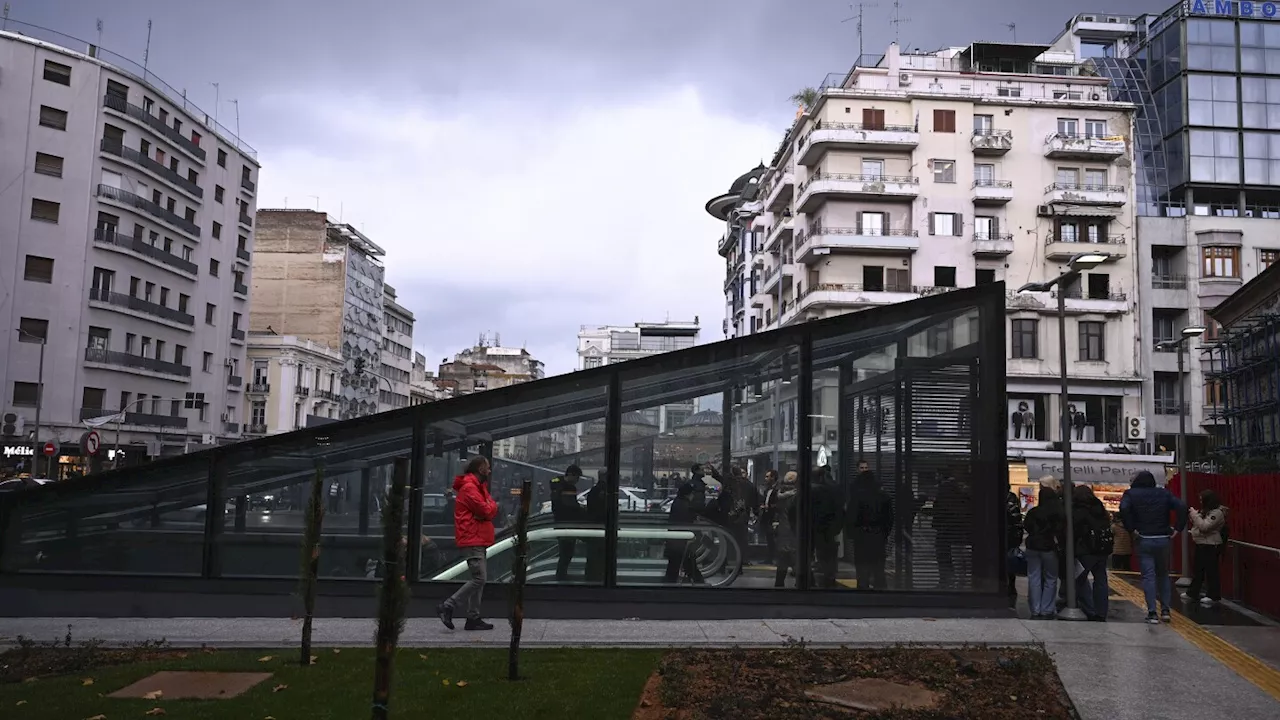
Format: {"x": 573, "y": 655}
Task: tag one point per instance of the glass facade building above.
{"x": 871, "y": 387}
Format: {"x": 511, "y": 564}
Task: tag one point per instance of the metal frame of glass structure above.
{"x": 227, "y": 521}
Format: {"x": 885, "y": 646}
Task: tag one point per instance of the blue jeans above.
{"x": 1042, "y": 582}
{"x": 1092, "y": 596}
{"x": 1153, "y": 558}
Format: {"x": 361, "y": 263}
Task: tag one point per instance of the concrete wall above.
{"x": 299, "y": 280}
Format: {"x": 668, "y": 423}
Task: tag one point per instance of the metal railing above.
{"x": 853, "y": 177}
{"x": 887, "y": 287}
{"x": 240, "y": 288}
{"x": 246, "y": 220}
{"x": 134, "y": 418}
{"x": 129, "y": 360}
{"x": 1098, "y": 240}
{"x": 235, "y": 381}
{"x": 140, "y": 305}
{"x": 114, "y": 147}
{"x": 260, "y": 387}
{"x": 128, "y": 242}
{"x": 1168, "y": 282}
{"x": 992, "y": 132}
{"x": 1169, "y": 406}
{"x": 237, "y": 334}
{"x": 875, "y": 232}
{"x": 302, "y": 390}
{"x": 141, "y": 203}
{"x": 242, "y": 254}
{"x": 992, "y": 183}
{"x": 857, "y": 127}
{"x": 1079, "y": 295}
{"x": 1083, "y": 187}
{"x": 256, "y": 428}
{"x": 248, "y": 184}
{"x": 1008, "y": 237}
{"x": 156, "y": 124}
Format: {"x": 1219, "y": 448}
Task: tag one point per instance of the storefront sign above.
{"x": 1228, "y": 8}
{"x": 1094, "y": 470}
{"x": 18, "y": 451}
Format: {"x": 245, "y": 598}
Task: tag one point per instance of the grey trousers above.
{"x": 468, "y": 596}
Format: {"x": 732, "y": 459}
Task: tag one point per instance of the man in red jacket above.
{"x": 473, "y": 514}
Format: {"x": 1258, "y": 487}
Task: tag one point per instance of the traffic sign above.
{"x": 50, "y": 449}
{"x": 92, "y": 442}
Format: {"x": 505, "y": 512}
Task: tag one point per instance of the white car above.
{"x": 630, "y": 499}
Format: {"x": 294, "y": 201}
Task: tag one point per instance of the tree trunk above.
{"x": 521, "y": 570}
{"x": 311, "y": 558}
{"x": 393, "y": 591}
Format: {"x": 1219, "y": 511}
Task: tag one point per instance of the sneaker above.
{"x": 477, "y": 624}
{"x": 1166, "y": 616}
{"x": 1153, "y": 619}
{"x": 1188, "y": 598}
{"x": 445, "y": 613}
{"x": 1208, "y": 602}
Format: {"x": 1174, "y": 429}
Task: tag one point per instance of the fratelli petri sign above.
{"x": 1231, "y": 8}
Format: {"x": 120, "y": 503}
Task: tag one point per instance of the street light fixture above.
{"x": 35, "y": 437}
{"x": 1189, "y": 332}
{"x": 1077, "y": 265}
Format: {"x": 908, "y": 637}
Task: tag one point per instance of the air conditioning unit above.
{"x": 1044, "y": 210}
{"x": 226, "y": 417}
{"x": 1135, "y": 429}
{"x": 1096, "y": 96}
{"x": 229, "y": 362}
{"x": 904, "y": 78}
{"x": 208, "y": 439}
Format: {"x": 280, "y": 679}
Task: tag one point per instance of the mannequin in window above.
{"x": 1078, "y": 421}
{"x": 1029, "y": 424}
{"x": 1018, "y": 419}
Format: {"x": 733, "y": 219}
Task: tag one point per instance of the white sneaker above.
{"x": 1188, "y": 598}
{"x": 1207, "y": 602}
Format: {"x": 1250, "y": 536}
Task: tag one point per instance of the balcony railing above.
{"x": 1003, "y": 237}
{"x": 114, "y": 147}
{"x": 246, "y": 220}
{"x": 128, "y": 242}
{"x": 240, "y": 288}
{"x": 134, "y": 418}
{"x": 802, "y": 236}
{"x": 327, "y": 395}
{"x": 256, "y": 429}
{"x": 247, "y": 184}
{"x": 1086, "y": 240}
{"x": 234, "y": 381}
{"x": 1077, "y": 295}
{"x": 141, "y": 203}
{"x": 992, "y": 183}
{"x": 854, "y": 177}
{"x": 1169, "y": 406}
{"x": 155, "y": 123}
{"x": 1168, "y": 282}
{"x": 260, "y": 387}
{"x": 231, "y": 428}
{"x": 140, "y": 305}
{"x": 1078, "y": 187}
{"x": 242, "y": 254}
{"x": 129, "y": 360}
{"x": 237, "y": 334}
{"x": 301, "y": 390}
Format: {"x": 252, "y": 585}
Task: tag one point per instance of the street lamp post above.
{"x": 1192, "y": 331}
{"x": 35, "y": 436}
{"x": 1077, "y": 264}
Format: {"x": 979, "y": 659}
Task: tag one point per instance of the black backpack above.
{"x": 1098, "y": 537}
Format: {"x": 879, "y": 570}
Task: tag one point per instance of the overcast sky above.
{"x": 529, "y": 166}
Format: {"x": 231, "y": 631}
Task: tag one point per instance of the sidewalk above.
{"x": 1113, "y": 671}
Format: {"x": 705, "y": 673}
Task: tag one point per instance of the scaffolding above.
{"x": 1244, "y": 363}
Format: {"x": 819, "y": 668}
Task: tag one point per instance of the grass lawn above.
{"x": 562, "y": 683}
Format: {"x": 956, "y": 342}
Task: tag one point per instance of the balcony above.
{"x": 329, "y": 395}
{"x": 992, "y": 142}
{"x": 120, "y": 300}
{"x": 1110, "y": 303}
{"x": 1063, "y": 250}
{"x": 822, "y": 187}
{"x": 242, "y": 255}
{"x": 240, "y": 288}
{"x": 237, "y": 335}
{"x": 1168, "y": 282}
{"x": 112, "y": 147}
{"x": 989, "y": 191}
{"x": 855, "y": 136}
{"x": 126, "y": 198}
{"x": 1067, "y": 146}
{"x": 246, "y": 220}
{"x": 255, "y": 429}
{"x": 875, "y": 241}
{"x": 991, "y": 245}
{"x": 133, "y": 418}
{"x": 248, "y": 186}
{"x": 1169, "y": 291}
{"x": 231, "y": 428}
{"x": 781, "y": 192}
{"x": 301, "y": 391}
{"x": 130, "y": 245}
{"x": 113, "y": 359}
{"x": 1077, "y": 194}
{"x": 853, "y": 295}
{"x": 155, "y": 124}
{"x": 782, "y": 225}
{"x": 1170, "y": 406}
{"x": 259, "y": 388}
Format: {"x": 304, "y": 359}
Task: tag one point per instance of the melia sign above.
{"x": 1231, "y": 8}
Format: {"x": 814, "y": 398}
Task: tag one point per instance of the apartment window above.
{"x": 183, "y": 301}
{"x": 1093, "y": 347}
{"x": 1213, "y": 394}
{"x": 33, "y": 330}
{"x": 48, "y": 164}
{"x": 1212, "y": 329}
{"x": 1165, "y": 388}
{"x": 135, "y": 284}
{"x": 218, "y": 190}
{"x": 1163, "y": 326}
{"x": 206, "y": 364}
{"x": 175, "y": 408}
{"x": 213, "y": 267}
{"x": 194, "y": 400}
{"x": 872, "y": 119}
{"x": 171, "y": 205}
{"x": 871, "y": 223}
{"x": 173, "y": 164}
{"x": 57, "y": 72}
{"x": 1009, "y": 92}
{"x": 985, "y": 228}
{"x": 100, "y": 339}
{"x": 93, "y": 398}
{"x": 1067, "y": 176}
{"x": 1266, "y": 258}
{"x": 209, "y": 310}
{"x": 944, "y": 171}
{"x": 872, "y": 168}
{"x": 938, "y": 339}
{"x": 1095, "y": 128}
{"x": 594, "y": 362}
{"x": 195, "y": 138}
{"x": 146, "y": 347}
{"x": 189, "y": 214}
{"x": 944, "y": 276}
{"x": 245, "y": 172}
{"x": 149, "y": 291}
{"x": 120, "y": 91}
{"x": 222, "y": 158}
{"x": 1026, "y": 339}
{"x": 945, "y": 224}
{"x": 26, "y": 394}
{"x": 1069, "y": 127}
{"x": 103, "y": 280}
{"x": 164, "y": 296}
{"x": 38, "y": 269}
{"x": 1095, "y": 177}
{"x": 984, "y": 276}
{"x": 983, "y": 124}
{"x": 1067, "y": 95}
{"x": 53, "y": 118}
{"x": 186, "y": 250}
{"x": 45, "y": 210}
{"x": 217, "y": 231}
{"x": 257, "y": 413}
{"x": 944, "y": 121}
{"x": 1221, "y": 262}
{"x": 984, "y": 174}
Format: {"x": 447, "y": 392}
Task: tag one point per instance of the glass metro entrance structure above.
{"x": 914, "y": 390}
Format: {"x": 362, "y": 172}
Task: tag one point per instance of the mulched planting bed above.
{"x": 747, "y": 684}
{"x": 30, "y": 660}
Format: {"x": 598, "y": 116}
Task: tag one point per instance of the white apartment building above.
{"x": 293, "y": 383}
{"x": 607, "y": 344}
{"x": 920, "y": 173}
{"x": 397, "y": 353}
{"x": 424, "y": 387}
{"x": 126, "y": 225}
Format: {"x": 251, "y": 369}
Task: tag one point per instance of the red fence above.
{"x": 1253, "y": 503}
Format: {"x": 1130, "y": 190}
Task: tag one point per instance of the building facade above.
{"x": 127, "y": 222}
{"x": 488, "y": 365}
{"x": 322, "y": 280}
{"x": 425, "y": 387}
{"x": 397, "y": 353}
{"x": 292, "y": 382}
{"x": 607, "y": 344}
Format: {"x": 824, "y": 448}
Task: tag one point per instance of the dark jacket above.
{"x": 564, "y": 503}
{"x": 1089, "y": 514}
{"x": 1013, "y": 521}
{"x": 1046, "y": 523}
{"x": 952, "y": 514}
{"x": 1145, "y": 508}
{"x": 597, "y": 503}
{"x": 827, "y": 507}
{"x": 785, "y": 518}
{"x": 871, "y": 508}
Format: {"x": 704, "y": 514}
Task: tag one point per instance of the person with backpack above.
{"x": 1094, "y": 542}
{"x": 565, "y": 509}
{"x": 1045, "y": 525}
{"x": 1145, "y": 510}
{"x": 871, "y": 523}
{"x": 1209, "y": 533}
{"x": 1017, "y": 559}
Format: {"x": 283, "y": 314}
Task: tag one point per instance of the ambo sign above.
{"x": 1229, "y": 8}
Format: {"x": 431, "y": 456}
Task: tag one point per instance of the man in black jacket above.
{"x": 1145, "y": 511}
{"x": 828, "y": 520}
{"x": 566, "y": 510}
{"x": 871, "y": 522}
{"x": 1091, "y": 528}
{"x": 681, "y": 554}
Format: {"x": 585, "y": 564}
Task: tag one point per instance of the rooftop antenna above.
{"x": 858, "y": 16}
{"x": 237, "y": 104}
{"x": 146, "y": 52}
{"x": 217, "y": 95}
{"x": 1013, "y": 28}
{"x": 897, "y": 20}
{"x": 317, "y": 199}
{"x": 4, "y": 24}
{"x": 99, "y": 23}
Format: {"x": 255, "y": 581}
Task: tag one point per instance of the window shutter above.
{"x": 957, "y": 224}
{"x": 931, "y": 223}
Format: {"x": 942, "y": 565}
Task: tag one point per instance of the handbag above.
{"x": 1018, "y": 562}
